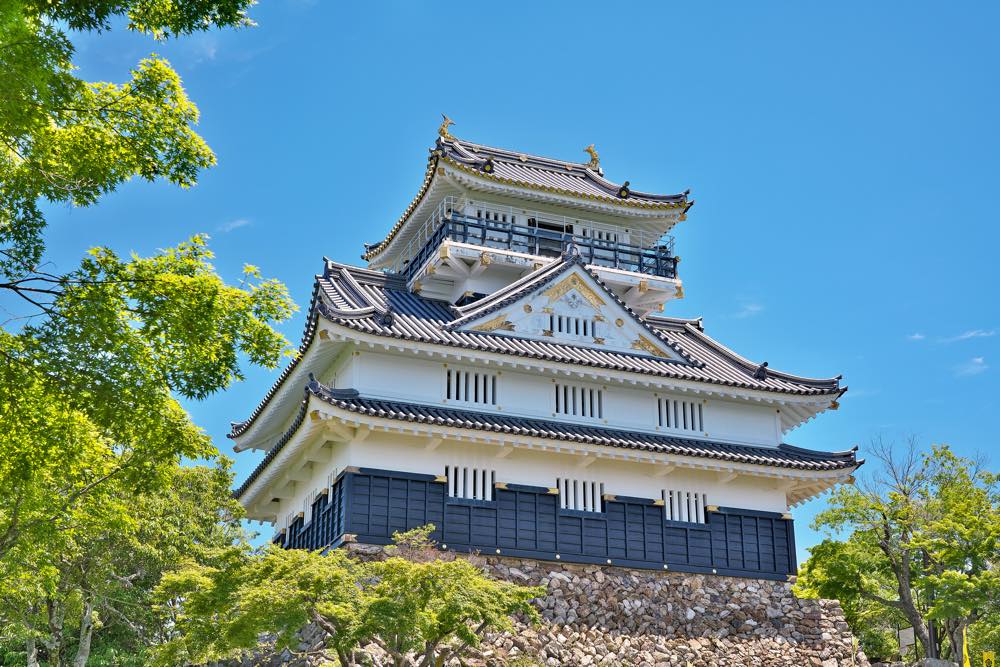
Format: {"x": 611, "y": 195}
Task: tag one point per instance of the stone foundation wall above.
{"x": 596, "y": 615}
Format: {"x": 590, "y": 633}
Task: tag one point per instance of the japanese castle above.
{"x": 505, "y": 369}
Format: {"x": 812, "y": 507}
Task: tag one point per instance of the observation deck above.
{"x": 657, "y": 260}
{"x": 467, "y": 247}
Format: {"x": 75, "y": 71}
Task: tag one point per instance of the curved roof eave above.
{"x": 452, "y": 153}
{"x": 349, "y": 400}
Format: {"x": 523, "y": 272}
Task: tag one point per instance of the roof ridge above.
{"x": 752, "y": 367}
{"x": 504, "y": 295}
{"x": 351, "y": 400}
{"x": 514, "y": 155}
{"x": 569, "y": 258}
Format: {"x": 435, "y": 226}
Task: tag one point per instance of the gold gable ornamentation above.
{"x": 443, "y": 130}
{"x": 572, "y": 282}
{"x": 646, "y": 345}
{"x": 500, "y": 322}
{"x": 595, "y": 159}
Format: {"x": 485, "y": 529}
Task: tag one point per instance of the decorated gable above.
{"x": 570, "y": 307}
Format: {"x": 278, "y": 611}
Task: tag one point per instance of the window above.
{"x": 307, "y": 506}
{"x": 471, "y": 387}
{"x": 493, "y": 215}
{"x": 579, "y": 494}
{"x": 578, "y": 401}
{"x": 471, "y": 483}
{"x": 573, "y": 326}
{"x": 599, "y": 234}
{"x": 682, "y": 505}
{"x": 681, "y": 415}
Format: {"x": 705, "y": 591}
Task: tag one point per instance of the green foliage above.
{"x": 89, "y": 392}
{"x": 95, "y": 505}
{"x": 110, "y": 567}
{"x": 63, "y": 139}
{"x": 924, "y": 544}
{"x": 840, "y": 570}
{"x": 419, "y": 611}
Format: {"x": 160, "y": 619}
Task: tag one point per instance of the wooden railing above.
{"x": 655, "y": 261}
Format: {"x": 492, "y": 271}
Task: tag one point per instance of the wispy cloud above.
{"x": 972, "y": 333}
{"x": 862, "y": 393}
{"x": 201, "y": 48}
{"x": 749, "y": 310}
{"x": 916, "y": 336}
{"x": 234, "y": 224}
{"x": 973, "y": 366}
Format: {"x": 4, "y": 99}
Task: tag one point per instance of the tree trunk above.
{"x": 31, "y": 647}
{"x": 901, "y": 568}
{"x": 54, "y": 644}
{"x": 86, "y": 633}
{"x": 957, "y": 640}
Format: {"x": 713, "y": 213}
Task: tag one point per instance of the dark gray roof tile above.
{"x": 782, "y": 456}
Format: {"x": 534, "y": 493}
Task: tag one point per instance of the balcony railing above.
{"x": 655, "y": 261}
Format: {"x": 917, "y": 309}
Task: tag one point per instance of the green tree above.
{"x": 89, "y": 387}
{"x": 97, "y": 589}
{"x": 418, "y": 610}
{"x": 841, "y": 570}
{"x": 93, "y": 365}
{"x": 63, "y": 139}
{"x": 924, "y": 544}
{"x": 88, "y": 394}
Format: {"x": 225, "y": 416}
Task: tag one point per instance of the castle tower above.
{"x": 501, "y": 369}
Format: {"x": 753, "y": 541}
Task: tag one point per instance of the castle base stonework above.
{"x": 594, "y": 615}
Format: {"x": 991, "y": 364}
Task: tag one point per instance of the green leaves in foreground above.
{"x": 66, "y": 140}
{"x": 418, "y": 611}
{"x": 923, "y": 545}
{"x": 88, "y": 394}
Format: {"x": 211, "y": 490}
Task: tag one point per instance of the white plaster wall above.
{"x": 410, "y": 454}
{"x": 532, "y": 395}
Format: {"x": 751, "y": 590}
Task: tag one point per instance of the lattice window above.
{"x": 572, "y": 326}
{"x": 599, "y": 234}
{"x": 681, "y": 415}
{"x": 471, "y": 483}
{"x": 580, "y": 494}
{"x": 579, "y": 401}
{"x": 471, "y": 386}
{"x": 495, "y": 216}
{"x": 307, "y": 505}
{"x": 683, "y": 505}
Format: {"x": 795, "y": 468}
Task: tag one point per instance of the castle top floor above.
{"x": 485, "y": 217}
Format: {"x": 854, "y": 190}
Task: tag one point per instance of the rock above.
{"x": 598, "y": 616}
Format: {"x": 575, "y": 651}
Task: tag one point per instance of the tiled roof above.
{"x": 373, "y": 303}
{"x": 782, "y": 456}
{"x": 574, "y": 179}
{"x": 535, "y": 281}
{"x": 577, "y": 178}
{"x": 425, "y": 320}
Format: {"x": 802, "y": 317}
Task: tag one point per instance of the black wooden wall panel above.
{"x": 528, "y": 521}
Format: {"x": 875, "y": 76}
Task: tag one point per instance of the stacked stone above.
{"x": 599, "y": 615}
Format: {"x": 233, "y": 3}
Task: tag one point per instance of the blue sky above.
{"x": 843, "y": 158}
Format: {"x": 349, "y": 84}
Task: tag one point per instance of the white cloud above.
{"x": 972, "y": 333}
{"x": 916, "y": 336}
{"x": 201, "y": 48}
{"x": 234, "y": 224}
{"x": 749, "y": 310}
{"x": 973, "y": 366}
